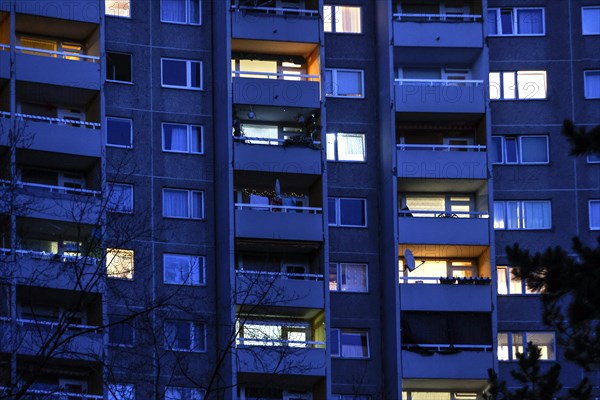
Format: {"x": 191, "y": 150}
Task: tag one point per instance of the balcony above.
{"x": 441, "y": 227}
{"x": 273, "y": 22}
{"x": 278, "y": 222}
{"x": 440, "y": 96}
{"x": 460, "y": 362}
{"x": 274, "y": 89}
{"x": 81, "y": 10}
{"x": 446, "y": 294}
{"x": 277, "y": 155}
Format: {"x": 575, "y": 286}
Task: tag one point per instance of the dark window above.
{"x": 118, "y": 67}
{"x": 120, "y": 331}
{"x": 118, "y": 131}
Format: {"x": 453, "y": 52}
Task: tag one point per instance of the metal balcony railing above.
{"x": 410, "y": 17}
{"x": 269, "y": 141}
{"x": 447, "y": 347}
{"x": 445, "y": 280}
{"x": 272, "y": 208}
{"x": 53, "y": 188}
{"x": 442, "y": 147}
{"x": 277, "y": 10}
{"x": 55, "y": 54}
{"x": 45, "y": 255}
{"x": 57, "y": 394}
{"x": 52, "y": 120}
{"x": 278, "y": 342}
{"x": 284, "y": 275}
{"x": 275, "y": 75}
{"x": 439, "y": 82}
{"x": 443, "y": 214}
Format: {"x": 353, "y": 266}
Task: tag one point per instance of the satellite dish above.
{"x": 409, "y": 259}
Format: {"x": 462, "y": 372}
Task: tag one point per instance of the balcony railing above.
{"x": 284, "y": 275}
{"x": 437, "y": 17}
{"x": 445, "y": 280}
{"x": 52, "y": 324}
{"x": 52, "y": 120}
{"x": 439, "y": 82}
{"x": 278, "y": 10}
{"x": 443, "y": 214}
{"x": 442, "y": 348}
{"x": 442, "y": 147}
{"x": 66, "y": 55}
{"x": 271, "y": 141}
{"x": 279, "y": 343}
{"x": 53, "y": 188}
{"x": 45, "y": 255}
{"x": 57, "y": 394}
{"x": 273, "y": 208}
{"x": 275, "y": 75}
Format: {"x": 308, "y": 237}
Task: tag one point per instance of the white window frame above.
{"x": 334, "y": 84}
{"x": 193, "y": 325}
{"x": 521, "y": 218}
{"x": 508, "y": 278}
{"x": 596, "y": 226}
{"x": 201, "y": 265}
{"x": 130, "y": 133}
{"x": 340, "y": 273}
{"x": 188, "y": 77}
{"x": 130, "y": 81}
{"x": 335, "y": 144}
{"x": 338, "y": 216}
{"x": 514, "y": 20}
{"x": 190, "y": 203}
{"x": 189, "y": 128}
{"x": 585, "y": 86}
{"x": 510, "y": 344}
{"x": 119, "y": 11}
{"x": 519, "y": 154}
{"x": 111, "y": 257}
{"x": 583, "y": 9}
{"x": 338, "y": 353}
{"x": 121, "y": 391}
{"x": 187, "y": 14}
{"x": 500, "y": 89}
{"x": 329, "y": 14}
{"x": 115, "y": 206}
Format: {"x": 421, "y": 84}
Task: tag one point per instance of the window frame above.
{"x": 188, "y": 76}
{"x": 187, "y": 14}
{"x": 524, "y": 289}
{"x": 190, "y": 203}
{"x": 336, "y": 151}
{"x": 521, "y": 217}
{"x": 338, "y": 218}
{"x": 130, "y": 81}
{"x": 585, "y": 86}
{"x": 510, "y": 345}
{"x": 332, "y": 17}
{"x": 339, "y": 275}
{"x": 334, "y": 84}
{"x": 118, "y": 15}
{"x": 582, "y": 11}
{"x": 349, "y": 331}
{"x": 189, "y": 130}
{"x": 515, "y": 74}
{"x": 514, "y": 20}
{"x": 597, "y": 226}
{"x": 130, "y": 146}
{"x": 130, "y": 253}
{"x": 192, "y": 325}
{"x": 201, "y": 270}
{"x": 590, "y": 158}
{"x": 519, "y": 150}
{"x": 128, "y": 210}
{"x": 185, "y": 391}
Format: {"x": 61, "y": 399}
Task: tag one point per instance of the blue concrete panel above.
{"x": 433, "y": 297}
{"x": 56, "y": 71}
{"x": 276, "y": 92}
{"x": 285, "y": 159}
{"x": 284, "y": 28}
{"x": 438, "y": 98}
{"x": 442, "y": 164}
{"x": 448, "y": 231}
{"x": 278, "y": 225}
{"x": 462, "y": 365}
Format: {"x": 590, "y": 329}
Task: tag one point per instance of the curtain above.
{"x": 502, "y": 283}
{"x": 196, "y": 142}
{"x": 513, "y": 214}
{"x": 594, "y": 214}
{"x": 499, "y": 215}
{"x": 173, "y": 10}
{"x": 351, "y": 147}
{"x": 592, "y": 84}
{"x": 347, "y": 19}
{"x": 354, "y": 277}
{"x": 197, "y": 205}
{"x": 175, "y": 137}
{"x": 536, "y": 214}
{"x": 492, "y": 22}
{"x": 354, "y": 345}
{"x": 175, "y": 203}
{"x": 530, "y": 22}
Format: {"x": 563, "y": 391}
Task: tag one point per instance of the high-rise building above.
{"x": 286, "y": 199}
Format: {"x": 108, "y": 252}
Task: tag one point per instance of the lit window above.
{"x": 349, "y": 343}
{"x": 508, "y": 284}
{"x": 118, "y": 67}
{"x": 347, "y": 212}
{"x": 120, "y": 197}
{"x": 518, "y": 85}
{"x": 182, "y": 138}
{"x": 180, "y": 393}
{"x": 118, "y": 391}
{"x": 516, "y": 21}
{"x": 180, "y": 11}
{"x": 346, "y": 147}
{"x": 594, "y": 209}
{"x": 274, "y": 333}
{"x": 342, "y": 19}
{"x": 592, "y": 84}
{"x": 181, "y": 269}
{"x": 185, "y": 335}
{"x": 344, "y": 83}
{"x": 119, "y": 263}
{"x": 527, "y": 149}
{"x": 121, "y": 330}
{"x": 186, "y": 74}
{"x": 119, "y": 132}
{"x": 180, "y": 203}
{"x": 519, "y": 214}
{"x": 590, "y": 20}
{"x": 512, "y": 343}
{"x": 117, "y": 8}
{"x": 348, "y": 277}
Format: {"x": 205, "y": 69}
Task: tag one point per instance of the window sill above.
{"x": 519, "y": 35}
{"x": 185, "y": 284}
{"x": 119, "y": 146}
{"x": 180, "y": 23}
{"x": 118, "y": 16}
{"x": 195, "y": 89}
{"x": 185, "y": 218}
{"x": 183, "y": 152}
{"x": 331, "y": 96}
{"x": 121, "y": 82}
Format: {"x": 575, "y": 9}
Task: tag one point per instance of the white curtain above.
{"x": 176, "y": 137}
{"x": 352, "y": 345}
{"x": 347, "y": 19}
{"x": 351, "y": 147}
{"x": 513, "y": 214}
{"x": 536, "y": 214}
{"x": 530, "y": 22}
{"x": 173, "y": 10}
{"x": 354, "y": 277}
{"x": 592, "y": 84}
{"x": 175, "y": 203}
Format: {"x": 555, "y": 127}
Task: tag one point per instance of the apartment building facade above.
{"x": 285, "y": 199}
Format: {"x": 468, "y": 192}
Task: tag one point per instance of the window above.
{"x": 117, "y": 8}
{"x": 349, "y": 343}
{"x": 118, "y": 391}
{"x": 120, "y": 197}
{"x": 121, "y": 330}
{"x": 344, "y": 83}
{"x": 185, "y": 335}
{"x": 118, "y": 67}
{"x": 180, "y": 11}
{"x": 413, "y": 395}
{"x": 590, "y": 20}
{"x": 180, "y": 203}
{"x": 119, "y": 263}
{"x": 342, "y": 19}
{"x": 511, "y": 343}
{"x": 516, "y": 21}
{"x": 518, "y": 85}
{"x": 592, "y": 84}
{"x": 593, "y": 158}
{"x": 535, "y": 214}
{"x": 181, "y": 138}
{"x": 180, "y": 393}
{"x": 181, "y": 269}
{"x": 185, "y": 74}
{"x": 347, "y": 212}
{"x": 520, "y": 149}
{"x": 509, "y": 284}
{"x": 348, "y": 277}
{"x": 119, "y": 132}
{"x": 346, "y": 147}
{"x": 350, "y": 397}
{"x": 594, "y": 209}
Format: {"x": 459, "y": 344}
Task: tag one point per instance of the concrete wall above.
{"x": 283, "y": 28}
